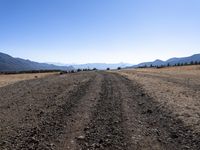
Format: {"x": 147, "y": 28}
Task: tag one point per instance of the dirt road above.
{"x": 94, "y": 110}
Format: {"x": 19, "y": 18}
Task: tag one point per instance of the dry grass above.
{"x": 13, "y": 78}
{"x": 182, "y": 70}
{"x": 175, "y": 88}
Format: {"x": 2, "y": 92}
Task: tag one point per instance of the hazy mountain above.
{"x": 100, "y": 66}
{"x": 58, "y": 64}
{"x": 9, "y": 63}
{"x": 171, "y": 61}
{"x": 193, "y": 58}
{"x": 157, "y": 62}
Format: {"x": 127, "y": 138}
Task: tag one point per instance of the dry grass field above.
{"x": 13, "y": 78}
{"x": 175, "y": 88}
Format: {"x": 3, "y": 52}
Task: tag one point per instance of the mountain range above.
{"x": 101, "y": 66}
{"x": 9, "y": 63}
{"x": 171, "y": 61}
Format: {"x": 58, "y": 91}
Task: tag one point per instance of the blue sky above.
{"x": 111, "y": 31}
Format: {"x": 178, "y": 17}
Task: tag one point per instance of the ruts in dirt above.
{"x": 94, "y": 110}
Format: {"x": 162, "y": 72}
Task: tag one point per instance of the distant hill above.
{"x": 9, "y": 63}
{"x": 171, "y": 61}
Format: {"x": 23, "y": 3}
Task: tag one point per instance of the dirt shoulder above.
{"x": 151, "y": 125}
{"x": 33, "y": 112}
{"x": 174, "y": 89}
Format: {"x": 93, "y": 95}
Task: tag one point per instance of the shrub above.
{"x": 78, "y": 70}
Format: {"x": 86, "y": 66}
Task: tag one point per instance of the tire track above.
{"x": 81, "y": 116}
{"x": 105, "y": 131}
{"x": 138, "y": 134}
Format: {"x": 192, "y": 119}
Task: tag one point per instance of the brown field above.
{"x": 13, "y": 78}
{"x": 137, "y": 109}
{"x": 176, "y": 88}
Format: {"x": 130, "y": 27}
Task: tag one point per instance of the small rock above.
{"x": 108, "y": 135}
{"x": 186, "y": 147}
{"x": 100, "y": 141}
{"x": 96, "y": 145}
{"x": 81, "y": 137}
{"x": 86, "y": 128}
{"x": 149, "y": 111}
{"x": 174, "y": 135}
{"x": 141, "y": 103}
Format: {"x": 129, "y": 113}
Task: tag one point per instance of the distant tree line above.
{"x": 77, "y": 70}
{"x": 118, "y": 68}
{"x": 47, "y": 71}
{"x": 170, "y": 65}
{"x": 28, "y": 71}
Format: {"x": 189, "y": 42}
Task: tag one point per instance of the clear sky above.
{"x": 111, "y": 31}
